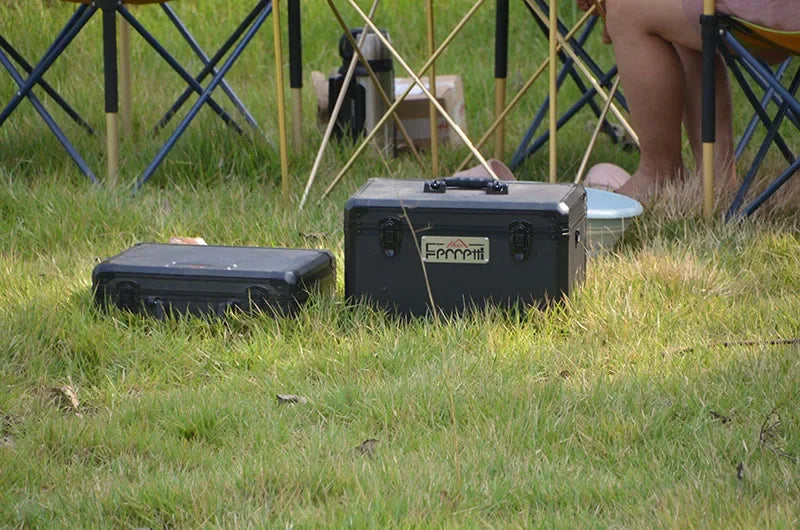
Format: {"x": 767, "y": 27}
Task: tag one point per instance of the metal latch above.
{"x": 520, "y": 238}
{"x": 128, "y": 296}
{"x": 390, "y": 235}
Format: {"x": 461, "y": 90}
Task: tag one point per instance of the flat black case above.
{"x": 524, "y": 247}
{"x": 157, "y": 279}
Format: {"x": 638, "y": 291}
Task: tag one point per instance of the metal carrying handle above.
{"x": 492, "y": 186}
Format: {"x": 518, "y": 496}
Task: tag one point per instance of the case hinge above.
{"x": 520, "y": 238}
{"x": 390, "y": 235}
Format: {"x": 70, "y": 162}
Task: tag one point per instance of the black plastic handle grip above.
{"x": 492, "y": 186}
{"x": 295, "y": 45}
{"x": 472, "y": 183}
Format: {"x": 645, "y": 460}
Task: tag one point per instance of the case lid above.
{"x": 200, "y": 260}
{"x": 527, "y": 196}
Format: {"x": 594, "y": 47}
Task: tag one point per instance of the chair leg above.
{"x": 500, "y": 74}
{"x": 576, "y": 107}
{"x": 125, "y": 81}
{"x": 51, "y": 124}
{"x": 49, "y": 90}
{"x": 760, "y": 112}
{"x": 523, "y": 151}
{"x": 205, "y": 96}
{"x": 112, "y": 92}
{"x": 296, "y": 70}
{"x": 772, "y": 188}
{"x": 782, "y": 92}
{"x": 772, "y": 135}
{"x": 709, "y": 23}
{"x": 579, "y": 50}
{"x": 751, "y": 127}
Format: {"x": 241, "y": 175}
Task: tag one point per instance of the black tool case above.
{"x": 158, "y": 279}
{"x": 481, "y": 242}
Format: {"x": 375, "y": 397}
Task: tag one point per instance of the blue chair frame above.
{"x": 718, "y": 36}
{"x": 528, "y": 146}
{"x": 8, "y": 54}
{"x": 239, "y": 41}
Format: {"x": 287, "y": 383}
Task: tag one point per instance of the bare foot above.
{"x": 606, "y": 176}
{"x": 639, "y": 187}
{"x": 643, "y": 187}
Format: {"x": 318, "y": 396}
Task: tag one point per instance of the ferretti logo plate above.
{"x": 454, "y": 249}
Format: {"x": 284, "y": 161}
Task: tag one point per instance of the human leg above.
{"x": 644, "y": 33}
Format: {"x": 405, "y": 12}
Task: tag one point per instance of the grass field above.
{"x": 618, "y": 408}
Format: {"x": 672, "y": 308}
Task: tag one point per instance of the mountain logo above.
{"x": 457, "y": 243}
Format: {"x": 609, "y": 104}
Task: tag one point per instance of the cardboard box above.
{"x": 414, "y": 113}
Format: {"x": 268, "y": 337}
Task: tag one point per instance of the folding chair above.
{"x": 577, "y": 64}
{"x": 528, "y": 145}
{"x": 9, "y": 53}
{"x": 241, "y": 37}
{"x": 238, "y": 42}
{"x": 739, "y": 42}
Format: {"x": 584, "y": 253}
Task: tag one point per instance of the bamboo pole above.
{"x": 126, "y": 114}
{"x": 587, "y": 74}
{"x": 348, "y": 76}
{"x": 709, "y": 110}
{"x": 446, "y": 42}
{"x": 528, "y": 84}
{"x": 434, "y": 128}
{"x": 553, "y": 91}
{"x": 282, "y": 138}
{"x": 296, "y": 72}
{"x": 596, "y": 133}
{"x": 500, "y": 74}
{"x": 111, "y": 82}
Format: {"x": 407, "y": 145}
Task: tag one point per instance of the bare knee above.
{"x": 661, "y": 18}
{"x": 625, "y": 17}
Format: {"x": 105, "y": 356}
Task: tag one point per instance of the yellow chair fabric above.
{"x": 759, "y": 38}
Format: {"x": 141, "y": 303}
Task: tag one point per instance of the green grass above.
{"x": 584, "y": 414}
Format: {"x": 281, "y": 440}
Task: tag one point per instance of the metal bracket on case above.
{"x": 435, "y": 186}
{"x": 497, "y": 187}
{"x": 520, "y": 239}
{"x": 390, "y": 234}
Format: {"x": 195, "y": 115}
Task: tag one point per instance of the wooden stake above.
{"x": 125, "y": 78}
{"x": 282, "y": 138}
{"x": 553, "y": 91}
{"x": 434, "y": 118}
{"x": 596, "y": 133}
{"x": 528, "y": 84}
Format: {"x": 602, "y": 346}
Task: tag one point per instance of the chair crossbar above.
{"x": 738, "y": 58}
{"x": 49, "y": 121}
{"x": 266, "y": 10}
{"x": 526, "y": 149}
{"x": 48, "y": 89}
{"x": 209, "y": 66}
